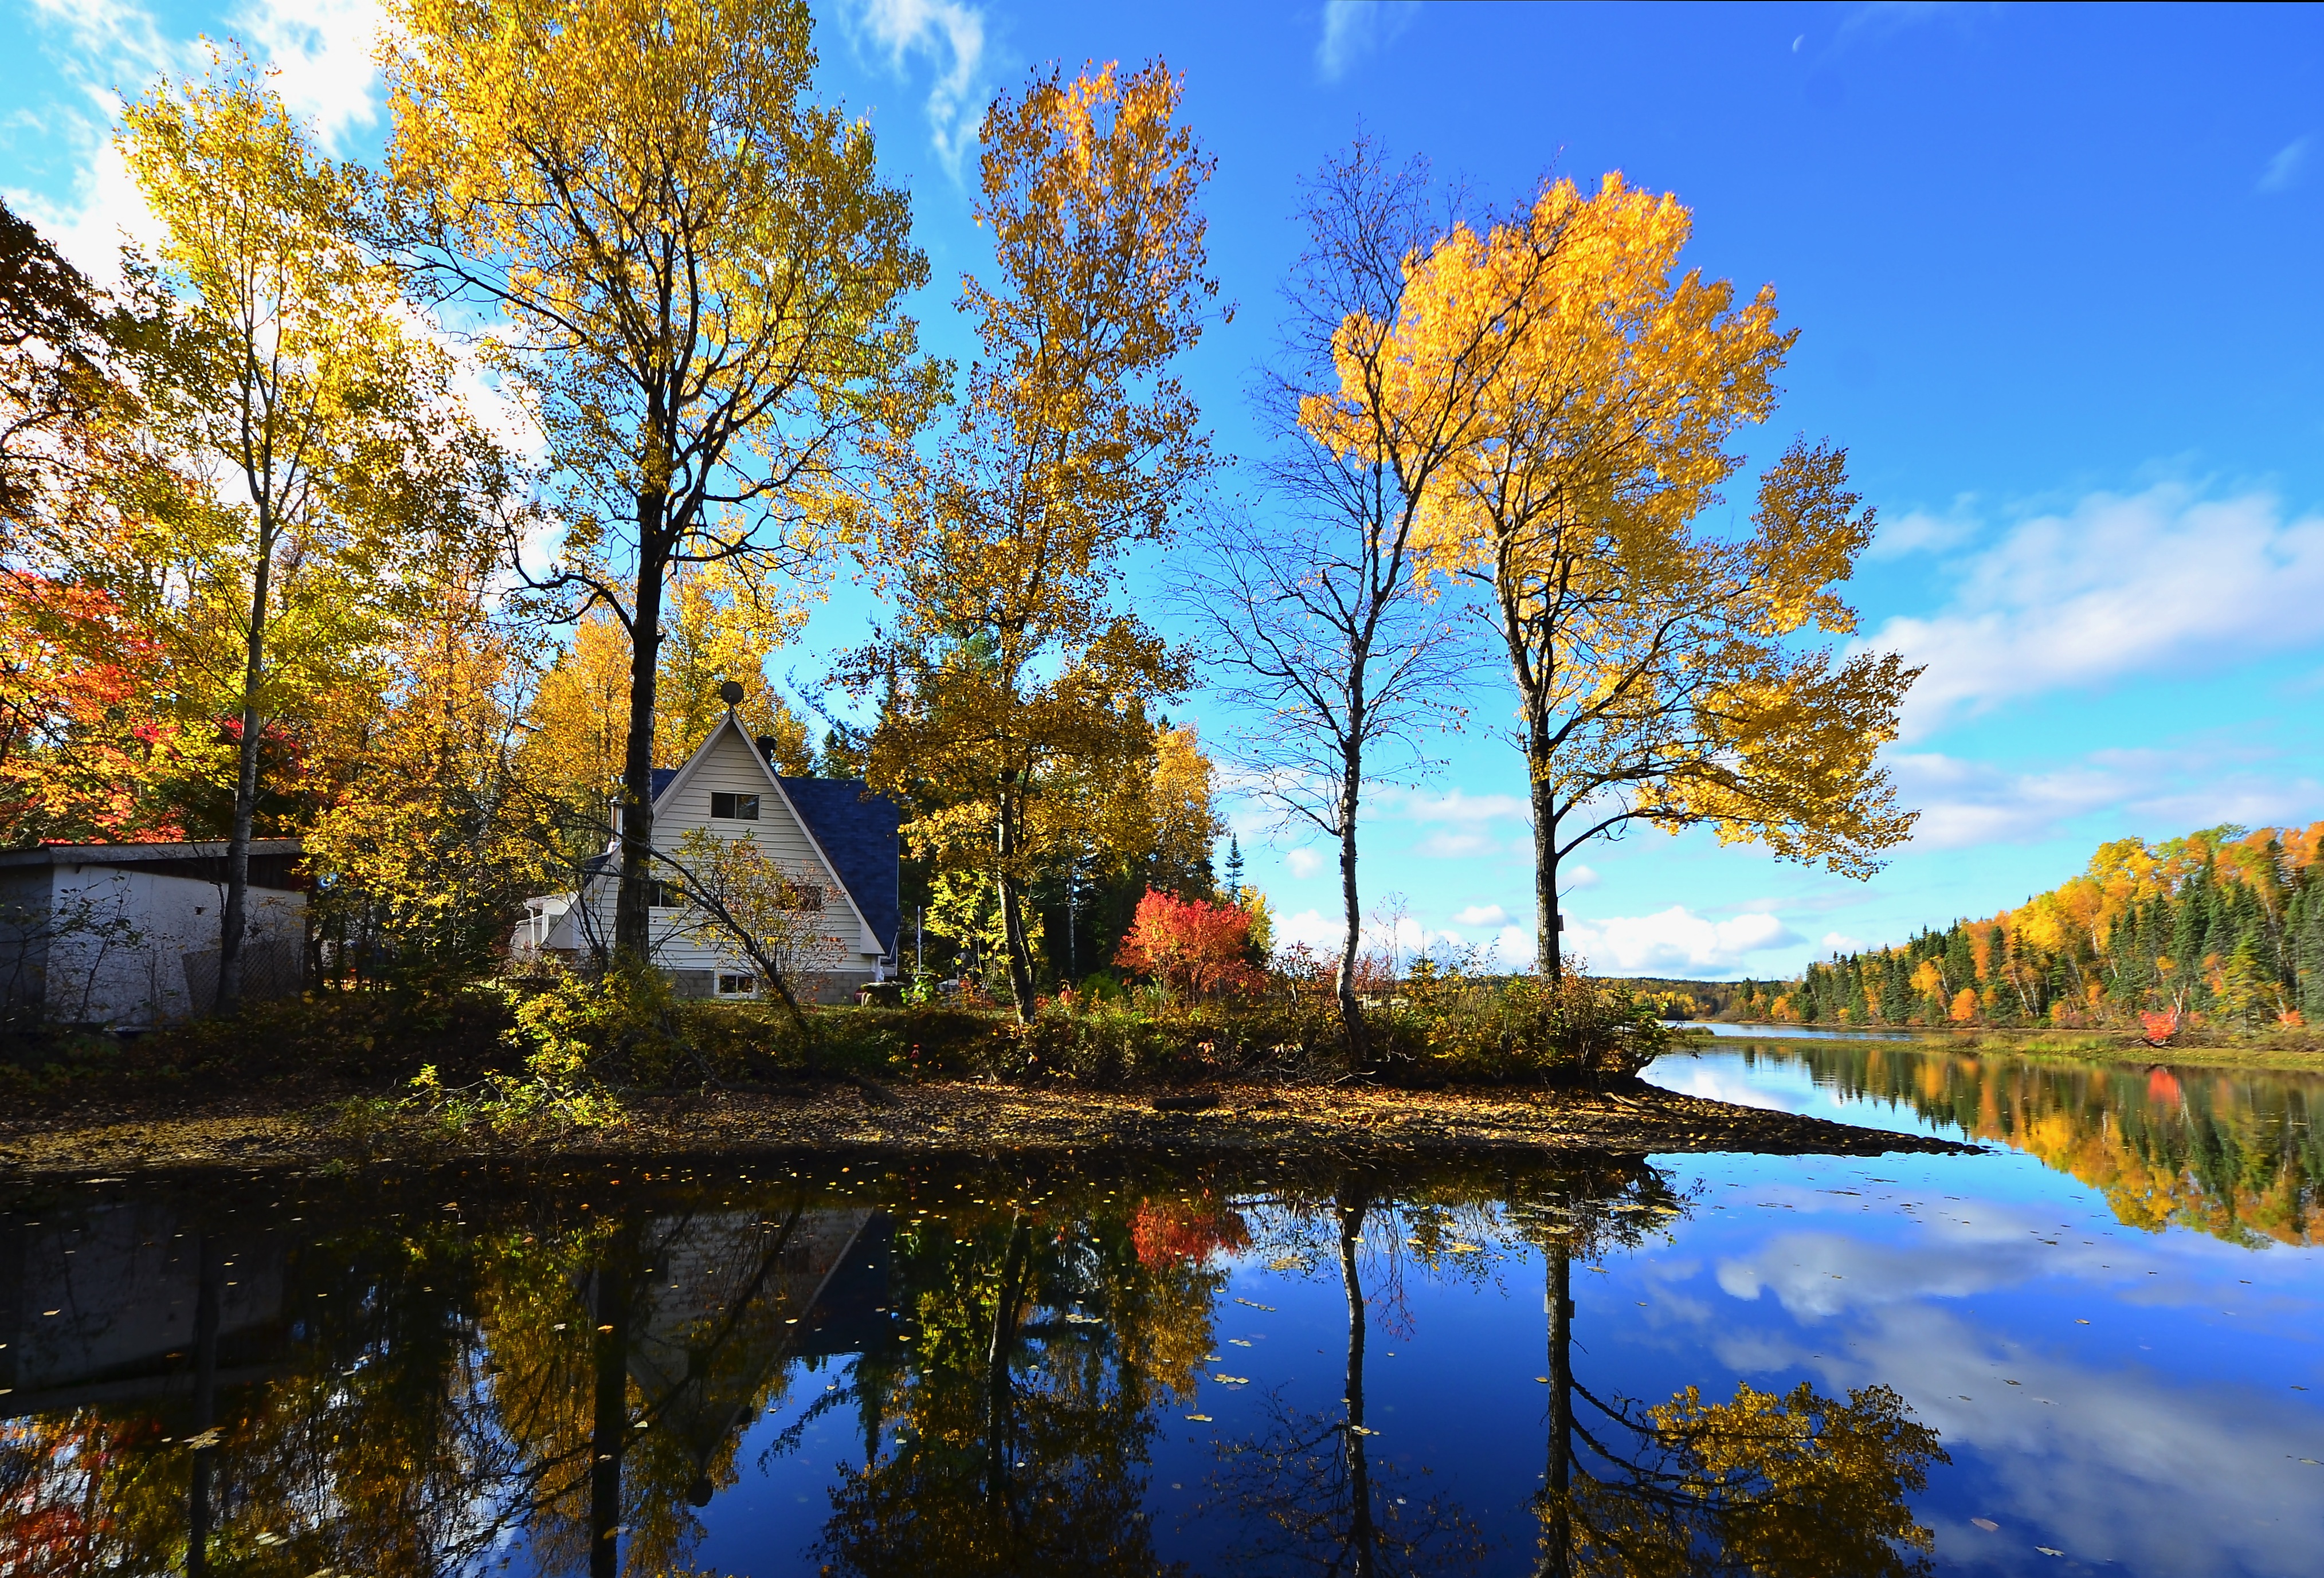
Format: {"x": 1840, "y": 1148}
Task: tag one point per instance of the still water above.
{"x": 2094, "y": 1346}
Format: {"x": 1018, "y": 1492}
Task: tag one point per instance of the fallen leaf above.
{"x": 1987, "y": 1524}
{"x": 1200, "y": 1419}
{"x": 2046, "y": 1551}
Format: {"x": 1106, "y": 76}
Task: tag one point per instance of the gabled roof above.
{"x": 858, "y": 831}
{"x": 853, "y": 829}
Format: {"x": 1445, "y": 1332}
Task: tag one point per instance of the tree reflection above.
{"x": 431, "y": 1391}
{"x": 1795, "y": 1485}
{"x": 1020, "y": 1429}
{"x": 2236, "y": 1153}
{"x": 1308, "y": 1488}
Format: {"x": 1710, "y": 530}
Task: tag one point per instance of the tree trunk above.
{"x": 1359, "y": 1467}
{"x": 1548, "y": 924}
{"x": 233, "y": 921}
{"x": 1015, "y": 943}
{"x": 633, "y": 899}
{"x": 610, "y": 1422}
{"x": 1000, "y": 1397}
{"x": 199, "y": 1495}
{"x": 1351, "y": 1011}
{"x": 1557, "y": 1526}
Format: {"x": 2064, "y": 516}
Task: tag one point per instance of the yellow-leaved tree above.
{"x": 1667, "y": 675}
{"x": 289, "y": 390}
{"x": 1013, "y": 682}
{"x": 700, "y": 271}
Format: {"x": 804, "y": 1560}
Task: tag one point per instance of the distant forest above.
{"x": 2222, "y": 928}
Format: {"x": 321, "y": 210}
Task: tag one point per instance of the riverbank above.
{"x": 310, "y": 1127}
{"x": 2299, "y": 1051}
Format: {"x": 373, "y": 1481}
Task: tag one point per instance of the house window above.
{"x": 737, "y": 985}
{"x": 735, "y": 807}
{"x": 666, "y": 895}
{"x": 805, "y": 896}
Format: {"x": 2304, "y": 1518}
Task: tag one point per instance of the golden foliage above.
{"x": 1661, "y": 672}
{"x": 1013, "y": 684}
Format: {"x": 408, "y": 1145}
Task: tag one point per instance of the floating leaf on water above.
{"x": 1987, "y": 1524}
{"x": 2046, "y": 1551}
{"x": 1200, "y": 1419}
{"x": 1246, "y": 1303}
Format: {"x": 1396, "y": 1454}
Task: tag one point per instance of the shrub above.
{"x": 1191, "y": 949}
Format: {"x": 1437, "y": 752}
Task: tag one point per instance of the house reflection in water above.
{"x": 567, "y": 1387}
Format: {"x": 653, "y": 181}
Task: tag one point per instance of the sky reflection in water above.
{"x": 2106, "y": 1322}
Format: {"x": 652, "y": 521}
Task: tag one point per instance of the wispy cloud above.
{"x": 2291, "y": 162}
{"x": 1305, "y": 863}
{"x": 2114, "y": 586}
{"x": 951, "y": 36}
{"x": 1483, "y": 915}
{"x": 1353, "y": 29}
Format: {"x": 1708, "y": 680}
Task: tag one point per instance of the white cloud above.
{"x": 1838, "y": 942}
{"x": 1353, "y": 29}
{"x": 1305, "y": 863}
{"x": 1674, "y": 942}
{"x": 1310, "y": 927}
{"x": 1483, "y": 915}
{"x": 2291, "y": 162}
{"x": 2116, "y": 585}
{"x": 1965, "y": 805}
{"x": 1573, "y": 877}
{"x": 1921, "y": 532}
{"x": 107, "y": 210}
{"x": 952, "y": 36}
{"x": 111, "y": 38}
{"x": 322, "y": 54}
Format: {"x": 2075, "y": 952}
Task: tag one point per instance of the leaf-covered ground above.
{"x": 313, "y": 1126}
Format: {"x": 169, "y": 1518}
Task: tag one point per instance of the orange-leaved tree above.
{"x": 1193, "y": 948}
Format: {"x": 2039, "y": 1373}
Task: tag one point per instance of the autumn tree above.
{"x": 296, "y": 401}
{"x": 1667, "y": 675}
{"x": 1335, "y": 653}
{"x": 1191, "y": 948}
{"x": 699, "y": 269}
{"x": 1014, "y": 679}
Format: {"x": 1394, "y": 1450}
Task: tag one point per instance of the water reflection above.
{"x": 285, "y": 1381}
{"x": 2232, "y": 1152}
{"x": 1772, "y": 1365}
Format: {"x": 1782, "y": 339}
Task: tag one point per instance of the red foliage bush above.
{"x": 1193, "y": 948}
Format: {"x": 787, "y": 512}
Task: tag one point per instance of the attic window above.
{"x": 735, "y": 807}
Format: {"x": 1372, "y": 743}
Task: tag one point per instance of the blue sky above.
{"x": 2056, "y": 274}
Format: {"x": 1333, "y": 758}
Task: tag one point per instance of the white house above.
{"x": 125, "y": 936}
{"x": 834, "y": 834}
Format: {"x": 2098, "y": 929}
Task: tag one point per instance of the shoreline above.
{"x": 2053, "y": 1045}
{"x": 309, "y": 1130}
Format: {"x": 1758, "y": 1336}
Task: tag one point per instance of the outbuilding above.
{"x": 125, "y": 936}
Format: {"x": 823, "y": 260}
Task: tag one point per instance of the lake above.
{"x": 2099, "y": 1344}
